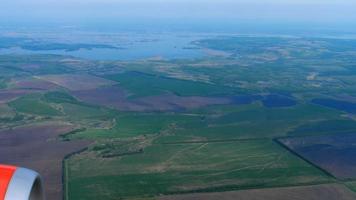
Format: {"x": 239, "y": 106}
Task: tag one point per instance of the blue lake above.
{"x": 159, "y": 46}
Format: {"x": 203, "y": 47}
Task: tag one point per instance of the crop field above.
{"x": 156, "y": 85}
{"x": 33, "y": 84}
{"x": 133, "y": 125}
{"x": 76, "y": 82}
{"x": 325, "y": 127}
{"x": 349, "y": 107}
{"x": 15, "y": 65}
{"x": 351, "y": 185}
{"x": 33, "y": 105}
{"x": 246, "y": 122}
{"x": 36, "y": 147}
{"x": 334, "y": 153}
{"x": 113, "y": 96}
{"x": 182, "y": 168}
{"x": 120, "y": 99}
{"x": 9, "y": 95}
{"x": 268, "y": 116}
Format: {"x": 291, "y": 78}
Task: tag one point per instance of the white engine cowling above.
{"x": 18, "y": 183}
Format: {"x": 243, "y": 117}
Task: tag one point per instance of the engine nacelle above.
{"x": 18, "y": 183}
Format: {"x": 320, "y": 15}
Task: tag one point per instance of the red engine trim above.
{"x": 6, "y": 173}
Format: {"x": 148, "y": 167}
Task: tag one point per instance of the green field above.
{"x": 252, "y": 121}
{"x": 136, "y": 124}
{"x": 32, "y": 104}
{"x": 325, "y": 127}
{"x": 155, "y": 84}
{"x": 181, "y": 168}
{"x": 351, "y": 185}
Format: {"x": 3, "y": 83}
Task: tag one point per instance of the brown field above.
{"x": 116, "y": 97}
{"x": 113, "y": 96}
{"x": 334, "y": 153}
{"x": 75, "y": 82}
{"x": 9, "y": 95}
{"x": 37, "y": 147}
{"x": 317, "y": 192}
{"x": 173, "y": 102}
{"x": 33, "y": 84}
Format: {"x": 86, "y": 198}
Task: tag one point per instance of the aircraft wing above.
{"x": 18, "y": 183}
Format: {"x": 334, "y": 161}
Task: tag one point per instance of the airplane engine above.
{"x": 18, "y": 183}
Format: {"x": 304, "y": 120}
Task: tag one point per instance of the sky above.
{"x": 169, "y": 12}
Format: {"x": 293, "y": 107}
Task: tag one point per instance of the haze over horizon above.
{"x": 175, "y": 13}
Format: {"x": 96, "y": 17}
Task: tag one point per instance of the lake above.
{"x": 131, "y": 47}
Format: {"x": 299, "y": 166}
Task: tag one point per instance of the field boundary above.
{"x": 65, "y": 172}
{"x": 215, "y": 141}
{"x": 277, "y": 140}
{"x": 316, "y": 135}
{"x": 228, "y": 188}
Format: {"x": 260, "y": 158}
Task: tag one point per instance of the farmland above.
{"x": 76, "y": 82}
{"x": 35, "y": 146}
{"x": 263, "y": 119}
{"x": 183, "y": 168}
{"x": 333, "y": 153}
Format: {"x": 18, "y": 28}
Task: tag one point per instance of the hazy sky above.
{"x": 75, "y": 12}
